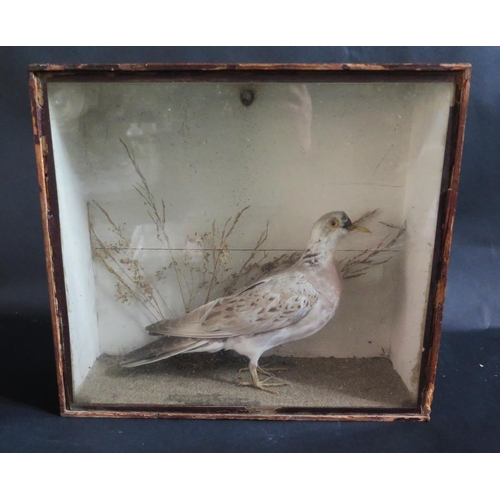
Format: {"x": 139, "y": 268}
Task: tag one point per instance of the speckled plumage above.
{"x": 290, "y": 305}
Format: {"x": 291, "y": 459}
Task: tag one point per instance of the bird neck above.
{"x": 320, "y": 253}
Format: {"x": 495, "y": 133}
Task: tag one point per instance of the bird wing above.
{"x": 270, "y": 304}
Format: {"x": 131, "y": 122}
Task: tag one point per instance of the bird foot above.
{"x": 265, "y": 370}
{"x": 264, "y": 385}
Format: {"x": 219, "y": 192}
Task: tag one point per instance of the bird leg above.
{"x": 262, "y": 385}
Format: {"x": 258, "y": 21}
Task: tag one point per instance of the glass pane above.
{"x": 175, "y": 195}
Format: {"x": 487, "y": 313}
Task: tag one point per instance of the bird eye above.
{"x": 333, "y": 223}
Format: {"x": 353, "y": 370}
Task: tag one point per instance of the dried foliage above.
{"x": 362, "y": 262}
{"x": 212, "y": 263}
{"x": 202, "y": 268}
{"x": 365, "y": 216}
{"x": 131, "y": 282}
{"x": 205, "y": 270}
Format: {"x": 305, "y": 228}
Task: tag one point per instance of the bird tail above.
{"x": 163, "y": 348}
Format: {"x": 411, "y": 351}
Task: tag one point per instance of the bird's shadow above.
{"x": 195, "y": 365}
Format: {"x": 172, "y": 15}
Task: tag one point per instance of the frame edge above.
{"x": 462, "y": 99}
{"x": 41, "y": 152}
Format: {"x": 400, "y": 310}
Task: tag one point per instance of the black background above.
{"x": 466, "y": 410}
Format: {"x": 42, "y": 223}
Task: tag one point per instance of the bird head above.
{"x": 334, "y": 225}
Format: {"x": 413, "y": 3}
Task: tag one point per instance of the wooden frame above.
{"x": 41, "y": 74}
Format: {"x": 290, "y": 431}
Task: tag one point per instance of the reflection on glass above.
{"x": 173, "y": 195}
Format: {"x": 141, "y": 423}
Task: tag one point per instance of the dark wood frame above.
{"x": 40, "y": 74}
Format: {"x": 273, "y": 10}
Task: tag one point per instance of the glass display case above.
{"x": 248, "y": 241}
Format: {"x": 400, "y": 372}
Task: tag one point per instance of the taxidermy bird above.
{"x": 292, "y": 304}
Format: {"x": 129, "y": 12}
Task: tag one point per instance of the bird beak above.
{"x": 354, "y": 227}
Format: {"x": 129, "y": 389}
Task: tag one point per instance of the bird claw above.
{"x": 260, "y": 386}
{"x": 276, "y": 384}
{"x": 265, "y": 370}
{"x": 263, "y": 385}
